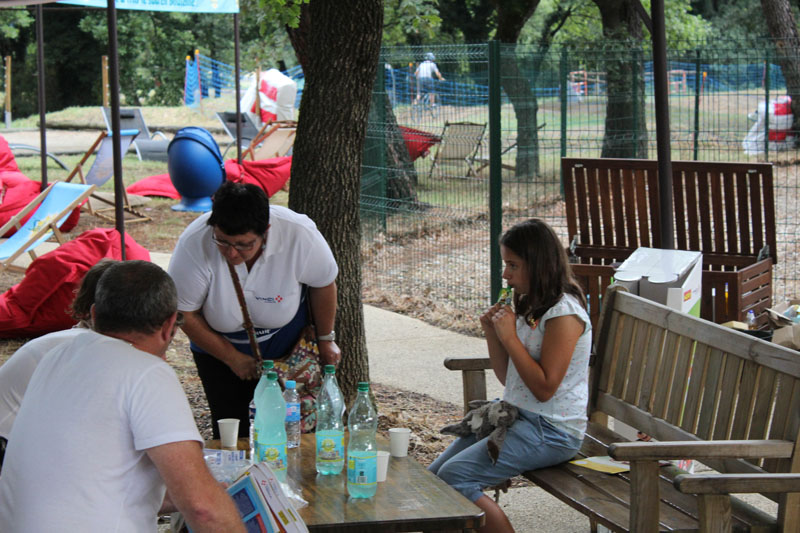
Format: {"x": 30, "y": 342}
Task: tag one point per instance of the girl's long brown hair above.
{"x": 549, "y": 272}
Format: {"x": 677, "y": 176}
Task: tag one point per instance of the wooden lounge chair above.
{"x": 276, "y": 141}
{"x": 148, "y": 146}
{"x": 50, "y": 209}
{"x": 249, "y": 130}
{"x": 100, "y": 172}
{"x": 460, "y": 144}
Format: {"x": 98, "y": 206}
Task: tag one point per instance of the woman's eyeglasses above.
{"x": 238, "y": 247}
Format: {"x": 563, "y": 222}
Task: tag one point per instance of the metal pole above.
{"x": 237, "y": 75}
{"x": 697, "y": 86}
{"x": 662, "y": 123}
{"x": 8, "y": 92}
{"x": 119, "y": 190}
{"x": 42, "y": 99}
{"x": 495, "y": 171}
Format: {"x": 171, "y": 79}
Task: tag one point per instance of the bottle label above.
{"x": 362, "y": 468}
{"x": 274, "y": 454}
{"x": 330, "y": 446}
{"x": 292, "y": 412}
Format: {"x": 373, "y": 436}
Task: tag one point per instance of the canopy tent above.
{"x": 193, "y": 6}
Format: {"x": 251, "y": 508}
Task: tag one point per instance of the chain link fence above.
{"x": 429, "y": 194}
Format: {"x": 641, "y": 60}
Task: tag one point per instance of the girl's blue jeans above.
{"x": 530, "y": 443}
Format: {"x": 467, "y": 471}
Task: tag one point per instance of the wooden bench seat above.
{"x": 704, "y": 392}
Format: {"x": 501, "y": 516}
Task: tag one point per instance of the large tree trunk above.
{"x": 625, "y": 107}
{"x": 511, "y": 17}
{"x": 783, "y": 28}
{"x": 343, "y": 42}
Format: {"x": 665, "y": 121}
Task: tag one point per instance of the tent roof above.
{"x": 196, "y": 6}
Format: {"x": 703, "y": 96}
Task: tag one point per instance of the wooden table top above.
{"x": 411, "y": 498}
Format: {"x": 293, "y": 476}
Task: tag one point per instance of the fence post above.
{"x": 766, "y": 108}
{"x": 104, "y": 73}
{"x": 562, "y": 67}
{"x": 495, "y": 171}
{"x": 697, "y": 78}
{"x": 8, "y": 92}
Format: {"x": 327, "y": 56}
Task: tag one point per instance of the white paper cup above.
{"x": 228, "y": 432}
{"x": 383, "y": 465}
{"x": 398, "y": 441}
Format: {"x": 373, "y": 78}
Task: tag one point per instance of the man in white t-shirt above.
{"x": 424, "y": 74}
{"x": 17, "y": 371}
{"x": 105, "y": 437}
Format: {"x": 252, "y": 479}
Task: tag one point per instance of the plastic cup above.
{"x": 383, "y": 465}
{"x": 228, "y": 432}
{"x": 398, "y": 441}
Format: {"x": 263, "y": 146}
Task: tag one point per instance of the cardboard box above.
{"x": 670, "y": 277}
{"x": 786, "y": 332}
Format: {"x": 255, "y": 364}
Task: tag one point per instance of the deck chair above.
{"x": 460, "y": 144}
{"x": 147, "y": 145}
{"x": 100, "y": 172}
{"x": 50, "y": 209}
{"x": 249, "y": 130}
{"x": 276, "y": 141}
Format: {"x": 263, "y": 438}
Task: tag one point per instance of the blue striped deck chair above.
{"x": 102, "y": 170}
{"x": 50, "y": 209}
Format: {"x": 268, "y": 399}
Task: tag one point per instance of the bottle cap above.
{"x": 363, "y": 386}
{"x": 267, "y": 364}
{"x": 272, "y": 376}
{"x": 290, "y": 384}
{"x": 330, "y": 369}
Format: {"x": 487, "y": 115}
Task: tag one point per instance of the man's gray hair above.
{"x": 134, "y": 296}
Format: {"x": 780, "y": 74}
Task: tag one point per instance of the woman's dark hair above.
{"x": 81, "y": 307}
{"x": 549, "y": 273}
{"x": 240, "y": 208}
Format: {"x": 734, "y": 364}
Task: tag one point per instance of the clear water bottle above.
{"x": 751, "y": 320}
{"x": 330, "y": 428}
{"x": 362, "y": 448}
{"x": 271, "y": 428}
{"x": 266, "y": 366}
{"x": 292, "y": 400}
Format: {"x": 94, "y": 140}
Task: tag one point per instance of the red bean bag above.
{"x": 269, "y": 174}
{"x": 39, "y": 303}
{"x": 17, "y": 190}
{"x": 418, "y": 142}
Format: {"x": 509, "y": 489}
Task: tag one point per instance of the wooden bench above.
{"x": 730, "y": 401}
{"x": 724, "y": 210}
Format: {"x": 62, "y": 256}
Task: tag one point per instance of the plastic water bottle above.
{"x": 266, "y": 366}
{"x": 292, "y": 400}
{"x": 751, "y": 320}
{"x": 270, "y": 424}
{"x": 362, "y": 448}
{"x": 330, "y": 428}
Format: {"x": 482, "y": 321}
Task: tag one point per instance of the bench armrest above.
{"x": 737, "y": 483}
{"x": 467, "y": 363}
{"x": 713, "y": 449}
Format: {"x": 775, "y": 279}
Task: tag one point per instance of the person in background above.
{"x": 105, "y": 439}
{"x": 283, "y": 264}
{"x": 424, "y": 74}
{"x": 17, "y": 371}
{"x": 539, "y": 350}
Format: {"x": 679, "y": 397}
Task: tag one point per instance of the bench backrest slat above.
{"x": 675, "y": 375}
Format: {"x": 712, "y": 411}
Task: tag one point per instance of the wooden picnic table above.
{"x": 411, "y": 498}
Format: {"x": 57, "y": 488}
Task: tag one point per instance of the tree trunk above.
{"x": 783, "y": 28}
{"x": 402, "y": 178}
{"x": 625, "y": 126}
{"x": 343, "y": 42}
{"x": 511, "y": 17}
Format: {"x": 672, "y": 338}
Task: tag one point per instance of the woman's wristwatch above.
{"x": 330, "y": 337}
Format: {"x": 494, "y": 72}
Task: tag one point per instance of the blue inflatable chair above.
{"x": 196, "y": 168}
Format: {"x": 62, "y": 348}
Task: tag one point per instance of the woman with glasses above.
{"x": 281, "y": 260}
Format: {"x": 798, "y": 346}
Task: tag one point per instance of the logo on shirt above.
{"x": 270, "y": 299}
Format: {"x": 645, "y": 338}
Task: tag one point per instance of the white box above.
{"x": 670, "y": 277}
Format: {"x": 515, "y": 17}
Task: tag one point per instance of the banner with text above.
{"x": 188, "y": 6}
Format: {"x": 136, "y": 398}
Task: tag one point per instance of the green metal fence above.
{"x": 429, "y": 224}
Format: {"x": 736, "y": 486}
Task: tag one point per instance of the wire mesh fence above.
{"x": 426, "y": 211}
